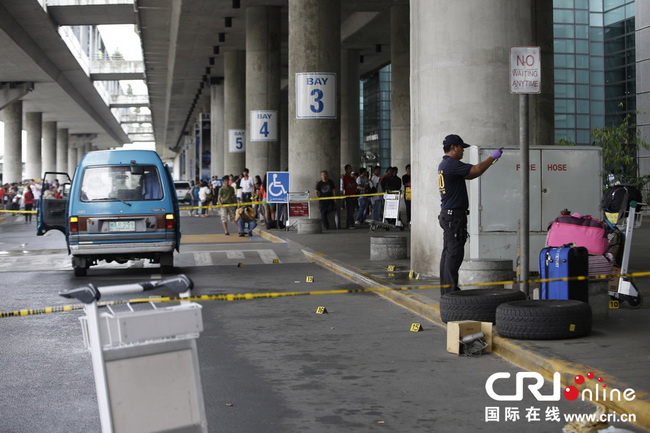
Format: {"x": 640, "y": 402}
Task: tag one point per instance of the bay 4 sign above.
{"x": 525, "y": 70}
{"x": 316, "y": 95}
{"x": 264, "y": 125}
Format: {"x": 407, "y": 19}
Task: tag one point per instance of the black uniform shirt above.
{"x": 451, "y": 183}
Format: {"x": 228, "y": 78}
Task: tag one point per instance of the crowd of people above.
{"x": 365, "y": 209}
{"x": 236, "y": 191}
{"x": 25, "y": 196}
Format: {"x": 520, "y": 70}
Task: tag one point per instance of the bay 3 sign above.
{"x": 525, "y": 70}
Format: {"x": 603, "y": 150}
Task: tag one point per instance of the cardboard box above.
{"x": 457, "y": 330}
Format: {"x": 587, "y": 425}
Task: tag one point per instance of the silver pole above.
{"x": 524, "y": 241}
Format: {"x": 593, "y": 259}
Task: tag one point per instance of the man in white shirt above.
{"x": 247, "y": 185}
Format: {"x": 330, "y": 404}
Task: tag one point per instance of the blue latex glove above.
{"x": 497, "y": 153}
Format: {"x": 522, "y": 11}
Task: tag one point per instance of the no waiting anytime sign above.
{"x": 525, "y": 70}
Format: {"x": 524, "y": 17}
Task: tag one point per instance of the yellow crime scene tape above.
{"x": 251, "y": 296}
{"x": 233, "y": 204}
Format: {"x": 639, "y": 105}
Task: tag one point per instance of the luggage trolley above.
{"x": 392, "y": 200}
{"x": 627, "y": 290}
{"x": 145, "y": 361}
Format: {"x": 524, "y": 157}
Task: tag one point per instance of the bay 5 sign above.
{"x": 236, "y": 140}
{"x": 525, "y": 70}
{"x": 316, "y": 95}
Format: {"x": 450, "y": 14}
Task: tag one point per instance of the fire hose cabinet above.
{"x": 561, "y": 177}
{"x": 146, "y": 365}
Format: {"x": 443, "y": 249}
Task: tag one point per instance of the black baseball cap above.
{"x": 454, "y": 139}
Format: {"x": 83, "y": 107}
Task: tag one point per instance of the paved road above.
{"x": 269, "y": 365}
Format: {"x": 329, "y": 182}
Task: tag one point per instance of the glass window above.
{"x": 596, "y": 5}
{"x": 596, "y": 20}
{"x": 565, "y": 91}
{"x": 614, "y": 16}
{"x": 629, "y": 10}
{"x": 121, "y": 182}
{"x": 582, "y": 76}
{"x": 565, "y": 75}
{"x": 583, "y": 137}
{"x": 563, "y": 4}
{"x": 563, "y": 16}
{"x": 563, "y": 31}
{"x": 564, "y": 46}
{"x": 597, "y": 63}
{"x": 582, "y": 4}
{"x": 564, "y": 61}
{"x": 596, "y": 49}
{"x": 582, "y": 61}
{"x": 582, "y": 91}
{"x": 597, "y": 108}
{"x": 582, "y": 106}
{"x": 582, "y": 17}
{"x": 597, "y": 93}
{"x": 596, "y": 78}
{"x": 582, "y": 32}
{"x": 582, "y": 46}
{"x": 582, "y": 122}
{"x": 568, "y": 134}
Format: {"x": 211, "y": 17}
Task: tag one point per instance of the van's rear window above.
{"x": 121, "y": 182}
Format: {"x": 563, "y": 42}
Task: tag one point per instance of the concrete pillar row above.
{"x": 400, "y": 97}
{"x": 314, "y": 46}
{"x": 350, "y": 110}
{"x": 263, "y": 68}
{"x": 458, "y": 86}
{"x": 62, "y": 138}
{"x": 48, "y": 148}
{"x": 216, "y": 128}
{"x": 13, "y": 162}
{"x": 34, "y": 127}
{"x": 234, "y": 68}
{"x": 81, "y": 150}
{"x": 72, "y": 160}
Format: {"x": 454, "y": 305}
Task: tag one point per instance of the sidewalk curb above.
{"x": 512, "y": 351}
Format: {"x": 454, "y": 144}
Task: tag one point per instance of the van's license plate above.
{"x": 121, "y": 226}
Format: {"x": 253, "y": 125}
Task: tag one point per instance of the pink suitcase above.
{"x": 583, "y": 231}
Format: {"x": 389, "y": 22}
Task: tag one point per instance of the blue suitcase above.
{"x": 564, "y": 262}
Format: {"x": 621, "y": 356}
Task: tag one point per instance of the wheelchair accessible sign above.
{"x": 277, "y": 186}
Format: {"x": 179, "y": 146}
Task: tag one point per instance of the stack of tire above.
{"x": 516, "y": 317}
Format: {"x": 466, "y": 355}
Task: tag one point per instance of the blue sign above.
{"x": 277, "y": 186}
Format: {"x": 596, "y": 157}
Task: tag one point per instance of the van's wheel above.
{"x": 547, "y": 319}
{"x": 475, "y": 304}
{"x": 80, "y": 272}
{"x": 167, "y": 263}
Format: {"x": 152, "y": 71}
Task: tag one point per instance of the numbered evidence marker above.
{"x": 236, "y": 140}
{"x": 614, "y": 304}
{"x": 321, "y": 310}
{"x": 316, "y": 95}
{"x": 309, "y": 279}
{"x": 416, "y": 327}
{"x": 264, "y": 125}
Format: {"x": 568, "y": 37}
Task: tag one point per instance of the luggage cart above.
{"x": 392, "y": 200}
{"x": 627, "y": 290}
{"x": 145, "y": 360}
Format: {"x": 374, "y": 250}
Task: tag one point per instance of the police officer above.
{"x": 454, "y": 206}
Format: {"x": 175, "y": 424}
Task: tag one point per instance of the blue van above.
{"x": 121, "y": 205}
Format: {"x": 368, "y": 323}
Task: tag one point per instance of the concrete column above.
{"x": 34, "y": 127}
{"x": 350, "y": 111}
{"x": 72, "y": 160}
{"x": 13, "y": 161}
{"x": 263, "y": 37}
{"x": 642, "y": 22}
{"x": 62, "y": 138}
{"x": 48, "y": 149}
{"x": 458, "y": 86}
{"x": 284, "y": 130}
{"x": 314, "y": 46}
{"x": 81, "y": 150}
{"x": 234, "y": 68}
{"x": 190, "y": 158}
{"x": 88, "y": 147}
{"x": 400, "y": 97}
{"x": 216, "y": 129}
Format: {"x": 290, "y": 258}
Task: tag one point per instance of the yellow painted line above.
{"x": 213, "y": 238}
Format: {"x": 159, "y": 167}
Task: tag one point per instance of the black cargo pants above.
{"x": 454, "y": 226}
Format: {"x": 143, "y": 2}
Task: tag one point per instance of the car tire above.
{"x": 547, "y": 319}
{"x": 475, "y": 304}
